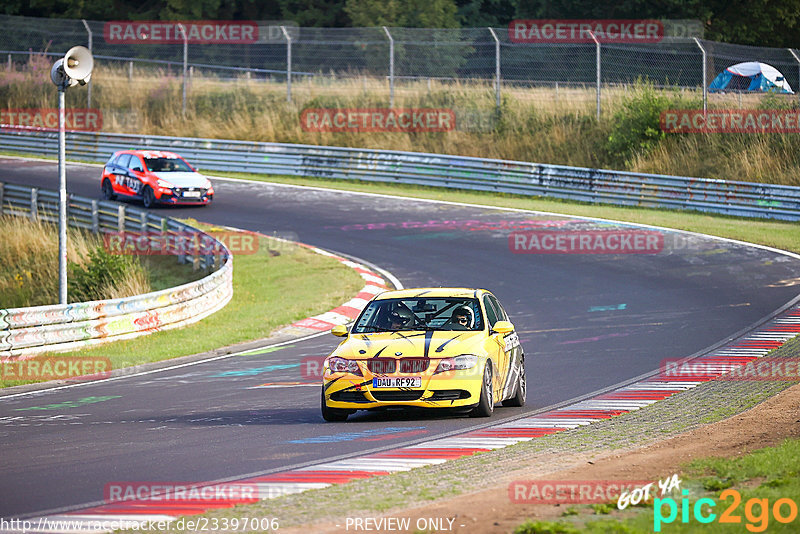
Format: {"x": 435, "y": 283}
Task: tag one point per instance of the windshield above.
{"x": 167, "y": 165}
{"x": 420, "y": 313}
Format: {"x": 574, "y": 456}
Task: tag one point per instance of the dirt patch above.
{"x": 492, "y": 511}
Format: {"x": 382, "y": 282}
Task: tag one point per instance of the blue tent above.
{"x": 751, "y": 76}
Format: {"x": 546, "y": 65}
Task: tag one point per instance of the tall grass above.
{"x": 542, "y": 124}
{"x": 29, "y": 266}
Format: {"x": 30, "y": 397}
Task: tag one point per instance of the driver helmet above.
{"x": 461, "y": 313}
{"x": 401, "y": 316}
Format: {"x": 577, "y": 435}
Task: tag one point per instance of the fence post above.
{"x": 496, "y": 68}
{"x": 797, "y": 88}
{"x": 89, "y": 84}
{"x": 121, "y": 218}
{"x": 95, "y": 218}
{"x": 288, "y": 63}
{"x": 705, "y": 74}
{"x": 34, "y": 204}
{"x": 391, "y": 67}
{"x": 9, "y": 62}
{"x": 2, "y": 194}
{"x": 597, "y": 61}
{"x": 185, "y": 61}
{"x": 143, "y": 222}
{"x": 130, "y": 71}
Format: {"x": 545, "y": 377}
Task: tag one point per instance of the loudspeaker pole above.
{"x": 62, "y": 200}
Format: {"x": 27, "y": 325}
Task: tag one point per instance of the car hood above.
{"x": 182, "y": 178}
{"x": 411, "y": 344}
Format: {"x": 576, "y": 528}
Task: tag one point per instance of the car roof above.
{"x": 151, "y": 154}
{"x": 432, "y": 292}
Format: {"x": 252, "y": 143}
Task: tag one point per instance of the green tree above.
{"x": 403, "y": 13}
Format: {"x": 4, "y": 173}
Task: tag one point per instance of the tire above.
{"x": 108, "y": 190}
{"x": 148, "y": 197}
{"x": 485, "y": 406}
{"x": 332, "y": 415}
{"x": 521, "y": 390}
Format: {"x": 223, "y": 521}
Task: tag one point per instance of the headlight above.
{"x": 207, "y": 184}
{"x": 165, "y": 184}
{"x": 464, "y": 361}
{"x": 341, "y": 365}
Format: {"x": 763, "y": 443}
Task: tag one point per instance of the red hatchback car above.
{"x": 156, "y": 177}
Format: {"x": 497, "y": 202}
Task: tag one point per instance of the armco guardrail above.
{"x": 28, "y": 331}
{"x": 573, "y": 183}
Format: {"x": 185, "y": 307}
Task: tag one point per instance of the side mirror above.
{"x": 503, "y": 327}
{"x": 339, "y": 330}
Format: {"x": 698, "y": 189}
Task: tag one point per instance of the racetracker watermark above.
{"x": 586, "y": 242}
{"x": 730, "y": 121}
{"x": 180, "y": 243}
{"x": 56, "y": 368}
{"x": 569, "y": 491}
{"x": 762, "y": 369}
{"x": 177, "y": 492}
{"x": 581, "y": 31}
{"x": 397, "y": 120}
{"x": 166, "y": 32}
{"x": 84, "y": 120}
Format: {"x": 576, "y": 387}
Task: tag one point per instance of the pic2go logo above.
{"x": 756, "y": 511}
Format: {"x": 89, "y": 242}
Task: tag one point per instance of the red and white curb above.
{"x": 348, "y": 311}
{"x": 629, "y": 398}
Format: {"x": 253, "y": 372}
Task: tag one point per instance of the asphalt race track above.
{"x": 586, "y": 321}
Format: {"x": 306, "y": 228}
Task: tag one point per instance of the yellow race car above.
{"x": 446, "y": 348}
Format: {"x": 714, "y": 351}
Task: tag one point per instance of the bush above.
{"x": 637, "y": 126}
{"x": 101, "y": 273}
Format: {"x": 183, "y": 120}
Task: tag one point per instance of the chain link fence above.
{"x": 405, "y": 59}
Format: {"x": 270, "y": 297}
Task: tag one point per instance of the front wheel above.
{"x": 332, "y": 415}
{"x": 148, "y": 197}
{"x": 485, "y": 406}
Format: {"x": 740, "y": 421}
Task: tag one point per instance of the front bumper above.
{"x": 356, "y": 393}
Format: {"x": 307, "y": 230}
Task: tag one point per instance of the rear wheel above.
{"x": 108, "y": 190}
{"x": 521, "y": 391}
{"x": 148, "y": 197}
{"x": 332, "y": 415}
{"x": 485, "y": 406}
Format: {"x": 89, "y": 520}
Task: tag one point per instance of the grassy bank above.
{"x": 277, "y": 285}
{"x": 545, "y": 125}
{"x": 758, "y": 480}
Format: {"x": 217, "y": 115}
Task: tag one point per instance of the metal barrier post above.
{"x": 496, "y": 68}
{"x": 597, "y": 61}
{"x": 391, "y": 67}
{"x": 95, "y": 218}
{"x": 89, "y": 83}
{"x": 794, "y": 55}
{"x": 705, "y": 74}
{"x": 2, "y": 194}
{"x": 288, "y": 63}
{"x": 34, "y": 204}
{"x": 121, "y": 218}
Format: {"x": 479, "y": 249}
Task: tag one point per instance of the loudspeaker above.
{"x": 78, "y": 64}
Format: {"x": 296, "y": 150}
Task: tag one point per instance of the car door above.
{"x": 496, "y": 349}
{"x": 136, "y": 174}
{"x": 511, "y": 350}
{"x": 120, "y": 172}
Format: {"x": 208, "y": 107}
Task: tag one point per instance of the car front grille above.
{"x": 178, "y": 192}
{"x": 387, "y": 366}
{"x": 390, "y": 396}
